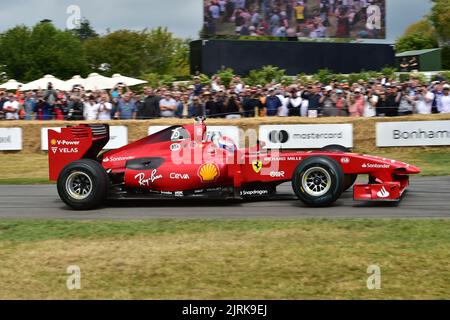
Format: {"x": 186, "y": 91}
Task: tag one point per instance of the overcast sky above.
{"x": 182, "y": 17}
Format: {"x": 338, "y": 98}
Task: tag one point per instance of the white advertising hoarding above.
{"x": 44, "y": 137}
{"x": 10, "y": 139}
{"x": 118, "y": 137}
{"x": 306, "y": 136}
{"x": 413, "y": 133}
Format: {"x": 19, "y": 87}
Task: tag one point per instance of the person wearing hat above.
{"x": 444, "y": 106}
{"x": 327, "y": 103}
{"x": 341, "y": 103}
{"x": 356, "y": 103}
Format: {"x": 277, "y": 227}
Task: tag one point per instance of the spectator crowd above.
{"x": 293, "y": 18}
{"x": 377, "y": 97}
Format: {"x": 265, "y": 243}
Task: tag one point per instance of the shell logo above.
{"x": 53, "y": 142}
{"x": 209, "y": 172}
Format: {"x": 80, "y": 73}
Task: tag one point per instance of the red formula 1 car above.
{"x": 186, "y": 162}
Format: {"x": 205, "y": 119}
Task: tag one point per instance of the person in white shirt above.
{"x": 295, "y": 102}
{"x": 239, "y": 86}
{"x": 445, "y": 100}
{"x": 104, "y": 108}
{"x": 283, "y": 111}
{"x": 11, "y": 108}
{"x": 168, "y": 106}
{"x": 371, "y": 101}
{"x": 215, "y": 84}
{"x": 90, "y": 111}
{"x": 424, "y": 100}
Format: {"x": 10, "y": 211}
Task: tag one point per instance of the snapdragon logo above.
{"x": 254, "y": 192}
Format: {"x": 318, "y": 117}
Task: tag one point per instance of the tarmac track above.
{"x": 427, "y": 197}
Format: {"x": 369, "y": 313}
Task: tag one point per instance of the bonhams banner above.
{"x": 413, "y": 133}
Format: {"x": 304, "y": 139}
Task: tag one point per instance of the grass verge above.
{"x": 237, "y": 259}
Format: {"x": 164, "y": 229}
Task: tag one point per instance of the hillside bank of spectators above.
{"x": 378, "y": 97}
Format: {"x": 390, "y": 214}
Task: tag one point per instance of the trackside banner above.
{"x": 413, "y": 133}
{"x": 10, "y": 139}
{"x": 118, "y": 137}
{"x": 306, "y": 136}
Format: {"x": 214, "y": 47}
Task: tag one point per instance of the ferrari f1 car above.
{"x": 187, "y": 162}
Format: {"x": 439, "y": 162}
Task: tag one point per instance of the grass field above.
{"x": 210, "y": 259}
{"x": 33, "y": 168}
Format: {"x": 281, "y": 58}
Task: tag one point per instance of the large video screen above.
{"x": 362, "y": 19}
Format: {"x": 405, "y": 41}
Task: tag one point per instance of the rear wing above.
{"x": 75, "y": 143}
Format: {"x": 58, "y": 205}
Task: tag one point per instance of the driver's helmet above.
{"x": 223, "y": 142}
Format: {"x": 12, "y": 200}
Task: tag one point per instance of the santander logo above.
{"x": 383, "y": 193}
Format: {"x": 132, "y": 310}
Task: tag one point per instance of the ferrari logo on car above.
{"x": 257, "y": 166}
{"x": 209, "y": 172}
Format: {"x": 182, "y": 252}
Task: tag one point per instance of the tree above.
{"x": 55, "y": 52}
{"x": 85, "y": 31}
{"x": 16, "y": 52}
{"x": 31, "y": 53}
{"x": 440, "y": 18}
{"x": 135, "y": 53}
{"x": 415, "y": 42}
{"x": 422, "y": 27}
{"x": 418, "y": 36}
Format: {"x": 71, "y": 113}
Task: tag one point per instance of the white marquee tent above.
{"x": 42, "y": 84}
{"x": 96, "y": 81}
{"x": 11, "y": 85}
{"x": 76, "y": 80}
{"x": 118, "y": 78}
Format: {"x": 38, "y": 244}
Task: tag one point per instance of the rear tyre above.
{"x": 349, "y": 179}
{"x": 83, "y": 184}
{"x": 318, "y": 181}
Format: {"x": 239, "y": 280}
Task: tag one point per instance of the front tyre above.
{"x": 318, "y": 181}
{"x": 83, "y": 184}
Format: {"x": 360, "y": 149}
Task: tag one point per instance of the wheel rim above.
{"x": 316, "y": 181}
{"x": 79, "y": 185}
